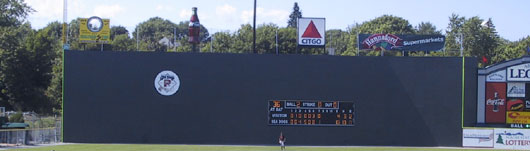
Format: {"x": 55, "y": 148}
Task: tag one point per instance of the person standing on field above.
{"x": 281, "y": 140}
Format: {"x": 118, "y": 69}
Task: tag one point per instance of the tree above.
{"x": 122, "y": 42}
{"x": 243, "y": 39}
{"x": 338, "y": 40}
{"x": 293, "y": 18}
{"x": 13, "y": 12}
{"x": 222, "y": 42}
{"x": 12, "y": 52}
{"x": 452, "y": 38}
{"x": 426, "y": 28}
{"x": 156, "y": 28}
{"x": 385, "y": 24}
{"x": 117, "y": 30}
{"x": 266, "y": 38}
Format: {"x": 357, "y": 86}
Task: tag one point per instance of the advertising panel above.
{"x": 495, "y": 102}
{"x": 516, "y": 90}
{"x": 477, "y": 138}
{"x": 515, "y": 104}
{"x": 94, "y": 30}
{"x": 312, "y": 32}
{"x": 401, "y": 42}
{"x": 527, "y": 98}
{"x": 518, "y": 117}
{"x": 512, "y": 139}
{"x": 499, "y": 76}
{"x": 519, "y": 72}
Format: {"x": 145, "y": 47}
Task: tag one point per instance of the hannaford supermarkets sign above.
{"x": 312, "y": 32}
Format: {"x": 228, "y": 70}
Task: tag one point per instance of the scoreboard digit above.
{"x": 311, "y": 113}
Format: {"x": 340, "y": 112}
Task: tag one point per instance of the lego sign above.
{"x": 312, "y": 32}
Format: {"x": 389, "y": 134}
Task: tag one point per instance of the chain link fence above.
{"x": 39, "y": 132}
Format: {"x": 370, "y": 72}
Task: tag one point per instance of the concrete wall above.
{"x": 223, "y": 98}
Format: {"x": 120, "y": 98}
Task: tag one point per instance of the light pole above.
{"x": 254, "y": 30}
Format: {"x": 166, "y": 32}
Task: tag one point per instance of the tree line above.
{"x": 31, "y": 60}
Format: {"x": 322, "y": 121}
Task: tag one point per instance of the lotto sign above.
{"x": 94, "y": 30}
{"x": 312, "y": 32}
{"x": 512, "y": 139}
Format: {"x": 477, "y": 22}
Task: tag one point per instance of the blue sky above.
{"x": 511, "y": 17}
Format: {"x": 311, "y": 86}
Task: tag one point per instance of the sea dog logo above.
{"x": 167, "y": 83}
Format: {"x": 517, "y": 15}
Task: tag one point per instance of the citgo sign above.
{"x": 312, "y": 32}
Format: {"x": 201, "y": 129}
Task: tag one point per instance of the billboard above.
{"x": 401, "y": 42}
{"x": 499, "y": 76}
{"x": 516, "y": 90}
{"x": 512, "y": 139}
{"x": 477, "y": 138}
{"x": 94, "y": 30}
{"x": 519, "y": 72}
{"x": 312, "y": 32}
{"x": 495, "y": 102}
{"x": 518, "y": 117}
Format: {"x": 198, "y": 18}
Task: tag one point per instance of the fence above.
{"x": 16, "y": 137}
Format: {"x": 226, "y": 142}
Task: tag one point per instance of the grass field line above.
{"x": 187, "y": 147}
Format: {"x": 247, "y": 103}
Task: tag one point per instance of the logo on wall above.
{"x": 527, "y": 104}
{"x": 495, "y": 102}
{"x": 515, "y": 105}
{"x": 516, "y": 90}
{"x": 401, "y": 42}
{"x": 499, "y": 76}
{"x": 312, "y": 32}
{"x": 167, "y": 83}
{"x": 519, "y": 72}
{"x": 382, "y": 41}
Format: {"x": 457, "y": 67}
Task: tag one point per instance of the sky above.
{"x": 510, "y": 17}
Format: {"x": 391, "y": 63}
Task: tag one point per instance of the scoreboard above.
{"x": 311, "y": 113}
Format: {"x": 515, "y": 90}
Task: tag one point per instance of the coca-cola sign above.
{"x": 495, "y": 102}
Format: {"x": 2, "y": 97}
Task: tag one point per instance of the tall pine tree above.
{"x": 293, "y": 18}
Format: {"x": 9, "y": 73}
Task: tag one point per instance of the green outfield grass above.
{"x": 137, "y": 147}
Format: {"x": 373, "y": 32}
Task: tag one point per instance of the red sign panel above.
{"x": 495, "y": 102}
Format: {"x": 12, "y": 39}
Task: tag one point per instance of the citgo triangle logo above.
{"x": 311, "y": 31}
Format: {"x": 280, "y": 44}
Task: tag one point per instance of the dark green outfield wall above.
{"x": 109, "y": 97}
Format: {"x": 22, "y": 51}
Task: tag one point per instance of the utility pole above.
{"x": 277, "y": 42}
{"x": 254, "y": 30}
{"x": 461, "y": 45}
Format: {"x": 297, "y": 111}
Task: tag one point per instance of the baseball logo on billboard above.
{"x": 167, "y": 83}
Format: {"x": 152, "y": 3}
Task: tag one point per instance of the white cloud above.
{"x": 185, "y": 13}
{"x": 108, "y": 11}
{"x": 164, "y": 8}
{"x": 46, "y": 8}
{"x": 265, "y": 15}
{"x": 225, "y": 10}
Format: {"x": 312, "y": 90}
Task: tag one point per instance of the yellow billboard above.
{"x": 94, "y": 30}
{"x": 514, "y": 117}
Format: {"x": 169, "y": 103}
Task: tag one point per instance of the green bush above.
{"x": 17, "y": 118}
